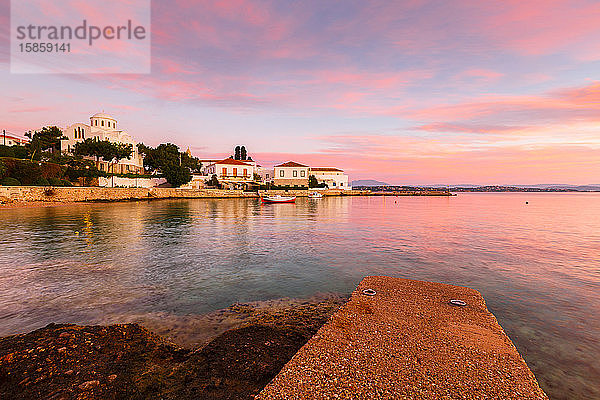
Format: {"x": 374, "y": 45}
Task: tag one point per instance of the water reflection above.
{"x": 537, "y": 265}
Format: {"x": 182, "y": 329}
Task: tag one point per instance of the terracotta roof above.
{"x": 291, "y": 164}
{"x": 22, "y": 139}
{"x": 231, "y": 161}
{"x": 325, "y": 169}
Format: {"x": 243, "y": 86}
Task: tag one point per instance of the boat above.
{"x": 278, "y": 199}
{"x": 315, "y": 195}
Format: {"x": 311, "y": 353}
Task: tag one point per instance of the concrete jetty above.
{"x": 407, "y": 342}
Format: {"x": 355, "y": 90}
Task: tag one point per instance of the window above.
{"x": 102, "y": 123}
{"x": 295, "y": 173}
{"x": 333, "y": 183}
{"x": 281, "y": 173}
{"x": 224, "y": 173}
{"x": 235, "y": 172}
{"x": 245, "y": 172}
{"x": 267, "y": 176}
{"x": 341, "y": 183}
{"x": 303, "y": 173}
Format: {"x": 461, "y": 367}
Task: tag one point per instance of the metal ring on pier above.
{"x": 459, "y": 303}
{"x": 369, "y": 292}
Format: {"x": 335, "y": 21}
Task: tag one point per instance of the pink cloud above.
{"x": 480, "y": 74}
{"x": 468, "y": 128}
{"x": 559, "y": 105}
{"x": 505, "y": 165}
{"x": 539, "y": 27}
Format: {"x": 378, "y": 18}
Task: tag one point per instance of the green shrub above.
{"x": 6, "y": 151}
{"x": 41, "y": 182}
{"x": 8, "y": 181}
{"x": 66, "y": 183}
{"x": 52, "y": 170}
{"x": 55, "y": 181}
{"x": 20, "y": 152}
{"x": 3, "y": 169}
{"x": 26, "y": 172}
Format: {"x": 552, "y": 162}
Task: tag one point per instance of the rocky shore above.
{"x": 64, "y": 361}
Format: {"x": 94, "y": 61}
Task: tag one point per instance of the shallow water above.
{"x": 537, "y": 264}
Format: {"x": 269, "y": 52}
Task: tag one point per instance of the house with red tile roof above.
{"x": 11, "y": 140}
{"x": 291, "y": 173}
{"x": 235, "y": 174}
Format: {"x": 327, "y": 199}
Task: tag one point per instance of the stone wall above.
{"x": 77, "y": 194}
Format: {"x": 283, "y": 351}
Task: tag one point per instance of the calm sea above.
{"x": 536, "y": 264}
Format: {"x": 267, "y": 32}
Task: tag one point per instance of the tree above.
{"x": 91, "y": 148}
{"x": 243, "y": 153}
{"x": 177, "y": 175}
{"x": 100, "y": 149}
{"x": 159, "y": 157}
{"x": 193, "y": 163}
{"x": 314, "y": 183}
{"x": 213, "y": 181}
{"x": 175, "y": 166}
{"x": 237, "y": 153}
{"x": 48, "y": 139}
{"x": 118, "y": 151}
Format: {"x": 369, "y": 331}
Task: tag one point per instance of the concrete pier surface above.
{"x": 407, "y": 342}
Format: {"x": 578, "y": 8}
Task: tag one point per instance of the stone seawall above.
{"x": 79, "y": 194}
{"x": 31, "y": 194}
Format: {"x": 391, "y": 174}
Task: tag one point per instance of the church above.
{"x": 104, "y": 127}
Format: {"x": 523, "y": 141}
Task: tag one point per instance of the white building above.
{"x": 266, "y": 174}
{"x": 10, "y": 140}
{"x": 233, "y": 173}
{"x": 104, "y": 127}
{"x": 334, "y": 178}
{"x": 291, "y": 174}
{"x": 207, "y": 163}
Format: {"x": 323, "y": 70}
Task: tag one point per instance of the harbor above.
{"x": 190, "y": 270}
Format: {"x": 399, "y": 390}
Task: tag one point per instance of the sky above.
{"x": 406, "y": 92}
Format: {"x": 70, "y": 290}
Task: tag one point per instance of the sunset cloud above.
{"x": 413, "y": 91}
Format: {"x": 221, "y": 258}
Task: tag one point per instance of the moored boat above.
{"x": 278, "y": 199}
{"x": 315, "y": 195}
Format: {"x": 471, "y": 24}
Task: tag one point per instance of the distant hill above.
{"x": 582, "y": 188}
{"x": 368, "y": 182}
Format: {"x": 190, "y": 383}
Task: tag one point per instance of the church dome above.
{"x": 103, "y": 115}
{"x": 103, "y": 121}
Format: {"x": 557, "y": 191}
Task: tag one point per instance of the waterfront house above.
{"x": 291, "y": 174}
{"x": 10, "y": 140}
{"x": 104, "y": 127}
{"x": 334, "y": 178}
{"x": 235, "y": 174}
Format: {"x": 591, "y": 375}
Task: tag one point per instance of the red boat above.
{"x": 278, "y": 199}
